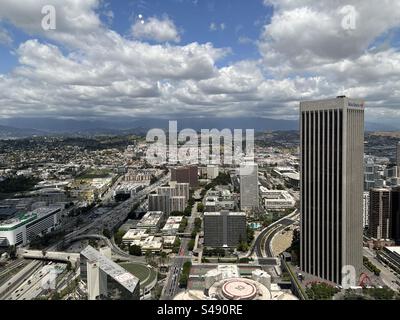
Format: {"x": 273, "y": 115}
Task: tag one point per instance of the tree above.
{"x": 197, "y": 223}
{"x": 118, "y": 237}
{"x": 107, "y": 233}
{"x": 380, "y": 293}
{"x": 69, "y": 266}
{"x": 183, "y": 280}
{"x": 242, "y": 246}
{"x": 56, "y": 296}
{"x": 191, "y": 245}
{"x": 149, "y": 257}
{"x": 321, "y": 291}
{"x": 135, "y": 250}
{"x": 250, "y": 235}
{"x": 176, "y": 213}
{"x": 188, "y": 211}
{"x": 176, "y": 246}
{"x": 12, "y": 252}
{"x": 200, "y": 207}
{"x": 163, "y": 258}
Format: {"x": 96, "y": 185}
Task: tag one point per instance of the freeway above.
{"x": 117, "y": 215}
{"x": 17, "y": 279}
{"x": 113, "y": 218}
{"x": 262, "y": 244}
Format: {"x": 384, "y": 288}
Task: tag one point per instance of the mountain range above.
{"x": 26, "y": 127}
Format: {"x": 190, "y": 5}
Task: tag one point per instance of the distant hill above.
{"x": 118, "y": 125}
{"x": 25, "y": 127}
{"x": 7, "y": 132}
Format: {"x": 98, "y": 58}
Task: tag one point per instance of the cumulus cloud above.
{"x": 304, "y": 33}
{"x": 83, "y": 68}
{"x": 5, "y": 37}
{"x": 159, "y": 30}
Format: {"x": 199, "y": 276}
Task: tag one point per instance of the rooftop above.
{"x": 24, "y": 218}
{"x": 114, "y": 270}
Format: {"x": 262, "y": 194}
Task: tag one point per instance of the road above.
{"x": 109, "y": 220}
{"x": 262, "y": 244}
{"x": 386, "y": 275}
{"x": 172, "y": 284}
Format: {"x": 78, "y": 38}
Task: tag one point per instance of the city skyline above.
{"x": 213, "y": 151}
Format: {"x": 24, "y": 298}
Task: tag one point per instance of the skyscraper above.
{"x": 188, "y": 174}
{"x": 249, "y": 186}
{"x": 380, "y": 225}
{"x": 398, "y": 158}
{"x": 396, "y": 214}
{"x": 332, "y": 147}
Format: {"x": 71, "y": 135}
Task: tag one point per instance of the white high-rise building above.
{"x": 249, "y": 186}
{"x": 365, "y": 209}
{"x": 332, "y": 148}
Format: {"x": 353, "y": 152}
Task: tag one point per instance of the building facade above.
{"x": 380, "y": 213}
{"x": 332, "y": 148}
{"x": 188, "y": 174}
{"x": 249, "y": 187}
{"x": 23, "y": 228}
{"x": 224, "y": 229}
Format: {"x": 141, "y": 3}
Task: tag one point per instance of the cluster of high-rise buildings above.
{"x": 170, "y": 198}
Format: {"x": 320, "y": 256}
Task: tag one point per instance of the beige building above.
{"x": 332, "y": 148}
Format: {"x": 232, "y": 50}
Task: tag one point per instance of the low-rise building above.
{"x": 276, "y": 199}
{"x": 172, "y": 225}
{"x": 152, "y": 220}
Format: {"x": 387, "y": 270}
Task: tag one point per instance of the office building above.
{"x": 332, "y": 148}
{"x": 395, "y": 235}
{"x": 152, "y": 221}
{"x": 380, "y": 213}
{"x": 23, "y": 228}
{"x": 391, "y": 172}
{"x": 224, "y": 228}
{"x": 187, "y": 174}
{"x": 398, "y": 157}
{"x": 276, "y": 199}
{"x": 217, "y": 200}
{"x": 177, "y": 204}
{"x": 106, "y": 279}
{"x": 249, "y": 186}
{"x": 170, "y": 198}
{"x": 212, "y": 172}
{"x": 365, "y": 209}
{"x": 158, "y": 202}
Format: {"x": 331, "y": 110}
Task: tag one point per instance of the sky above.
{"x": 197, "y": 58}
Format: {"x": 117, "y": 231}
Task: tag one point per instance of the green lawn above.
{"x": 140, "y": 271}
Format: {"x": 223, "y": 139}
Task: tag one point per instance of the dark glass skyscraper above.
{"x": 332, "y": 147}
